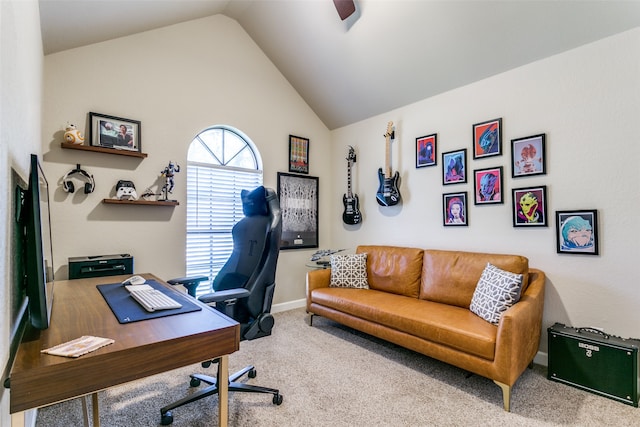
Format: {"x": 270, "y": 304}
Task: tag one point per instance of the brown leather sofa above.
{"x": 420, "y": 299}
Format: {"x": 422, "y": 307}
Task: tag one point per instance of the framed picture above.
{"x": 454, "y": 209}
{"x": 488, "y": 185}
{"x": 528, "y": 156}
{"x": 454, "y": 166}
{"x": 299, "y": 204}
{"x": 426, "y": 150}
{"x": 487, "y": 139}
{"x": 577, "y": 232}
{"x": 298, "y": 154}
{"x": 114, "y": 132}
{"x": 530, "y": 206}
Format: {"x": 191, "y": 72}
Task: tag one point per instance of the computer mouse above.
{"x": 134, "y": 280}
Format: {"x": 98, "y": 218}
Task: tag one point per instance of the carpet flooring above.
{"x": 331, "y": 375}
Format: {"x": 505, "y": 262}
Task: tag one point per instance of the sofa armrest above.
{"x": 317, "y": 279}
{"x": 519, "y": 330}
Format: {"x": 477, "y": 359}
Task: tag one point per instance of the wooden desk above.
{"x": 141, "y": 348}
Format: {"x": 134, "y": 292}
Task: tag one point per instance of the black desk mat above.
{"x": 127, "y": 310}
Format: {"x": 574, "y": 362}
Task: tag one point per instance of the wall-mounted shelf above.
{"x": 141, "y": 202}
{"x": 103, "y": 150}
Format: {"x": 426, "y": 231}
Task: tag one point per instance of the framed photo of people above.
{"x": 114, "y": 132}
{"x": 426, "y": 150}
{"x": 488, "y": 185}
{"x": 528, "y": 156}
{"x": 454, "y": 209}
{"x": 299, "y": 205}
{"x": 487, "y": 139}
{"x": 577, "y": 232}
{"x": 530, "y": 207}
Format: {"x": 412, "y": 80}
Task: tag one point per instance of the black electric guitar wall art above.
{"x": 351, "y": 214}
{"x": 388, "y": 193}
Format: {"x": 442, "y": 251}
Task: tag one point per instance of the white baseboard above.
{"x": 541, "y": 359}
{"x": 290, "y": 305}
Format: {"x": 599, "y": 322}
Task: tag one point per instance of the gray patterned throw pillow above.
{"x": 496, "y": 291}
{"x": 349, "y": 271}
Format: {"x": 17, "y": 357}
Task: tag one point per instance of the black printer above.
{"x": 100, "y": 265}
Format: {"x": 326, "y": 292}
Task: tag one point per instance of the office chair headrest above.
{"x": 254, "y": 202}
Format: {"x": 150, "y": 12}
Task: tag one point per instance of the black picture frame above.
{"x": 530, "y": 206}
{"x": 299, "y": 202}
{"x": 454, "y": 167}
{"x": 487, "y": 139}
{"x": 528, "y": 156}
{"x": 577, "y": 232}
{"x": 114, "y": 132}
{"x": 298, "y": 154}
{"x": 487, "y": 185}
{"x": 454, "y": 209}
{"x": 426, "y": 150}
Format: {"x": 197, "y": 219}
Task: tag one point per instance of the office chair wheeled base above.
{"x": 166, "y": 417}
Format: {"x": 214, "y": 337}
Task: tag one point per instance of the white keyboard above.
{"x": 152, "y": 300}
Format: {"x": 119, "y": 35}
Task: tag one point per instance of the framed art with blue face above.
{"x": 488, "y": 185}
{"x": 530, "y": 206}
{"x": 577, "y": 232}
{"x": 487, "y": 139}
{"x": 426, "y": 150}
{"x": 454, "y": 167}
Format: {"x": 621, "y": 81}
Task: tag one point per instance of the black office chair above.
{"x": 243, "y": 289}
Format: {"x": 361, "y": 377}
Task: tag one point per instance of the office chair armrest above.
{"x": 189, "y": 283}
{"x": 226, "y": 295}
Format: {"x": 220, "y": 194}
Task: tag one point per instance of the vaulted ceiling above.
{"x": 389, "y": 53}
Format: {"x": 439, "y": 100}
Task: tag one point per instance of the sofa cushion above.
{"x": 450, "y": 326}
{"x": 349, "y": 271}
{"x": 393, "y": 269}
{"x": 450, "y": 277}
{"x": 497, "y": 290}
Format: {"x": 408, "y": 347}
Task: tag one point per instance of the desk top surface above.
{"x": 140, "y": 349}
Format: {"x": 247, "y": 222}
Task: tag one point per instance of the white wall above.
{"x": 177, "y": 81}
{"x": 587, "y": 102}
{"x": 20, "y": 120}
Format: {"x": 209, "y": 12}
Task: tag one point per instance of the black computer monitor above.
{"x": 38, "y": 250}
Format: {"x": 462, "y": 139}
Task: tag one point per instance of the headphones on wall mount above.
{"x": 67, "y": 183}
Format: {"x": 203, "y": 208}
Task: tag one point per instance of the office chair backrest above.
{"x": 256, "y": 246}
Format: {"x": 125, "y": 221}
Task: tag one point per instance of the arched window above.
{"x": 221, "y": 162}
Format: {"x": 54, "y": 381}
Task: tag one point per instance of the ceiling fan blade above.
{"x": 345, "y": 8}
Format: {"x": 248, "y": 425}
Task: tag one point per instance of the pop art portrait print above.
{"x": 454, "y": 208}
{"x": 426, "y": 150}
{"x": 488, "y": 185}
{"x": 487, "y": 139}
{"x": 577, "y": 232}
{"x": 528, "y": 156}
{"x": 530, "y": 207}
{"x": 454, "y": 166}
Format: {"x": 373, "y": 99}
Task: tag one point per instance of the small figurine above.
{"x": 126, "y": 190}
{"x": 73, "y": 135}
{"x": 148, "y": 193}
{"x": 168, "y": 173}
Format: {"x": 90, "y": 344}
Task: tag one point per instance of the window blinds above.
{"x": 214, "y": 206}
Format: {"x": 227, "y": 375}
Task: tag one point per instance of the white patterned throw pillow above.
{"x": 349, "y": 271}
{"x": 496, "y": 291}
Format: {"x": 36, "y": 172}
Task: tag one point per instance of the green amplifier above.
{"x": 592, "y": 360}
